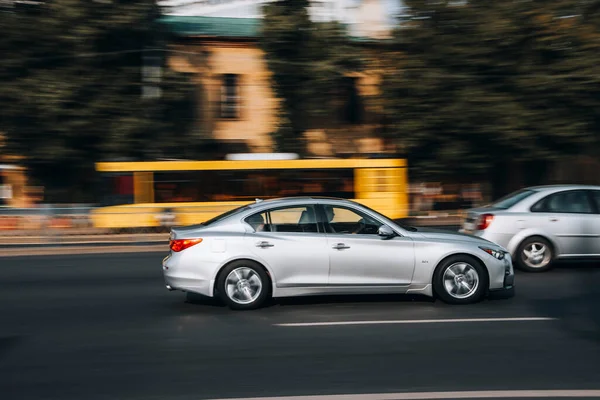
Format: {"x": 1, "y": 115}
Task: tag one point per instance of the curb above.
{"x": 50, "y": 239}
{"x": 76, "y": 250}
{"x": 124, "y": 243}
{"x": 77, "y": 244}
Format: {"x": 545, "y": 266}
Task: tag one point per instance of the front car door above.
{"x": 358, "y": 256}
{"x": 287, "y": 240}
{"x": 595, "y": 220}
{"x": 567, "y": 216}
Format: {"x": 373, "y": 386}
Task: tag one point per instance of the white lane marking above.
{"x": 415, "y": 321}
{"x": 505, "y": 394}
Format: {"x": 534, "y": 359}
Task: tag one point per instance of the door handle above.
{"x": 553, "y": 219}
{"x": 264, "y": 244}
{"x": 341, "y": 246}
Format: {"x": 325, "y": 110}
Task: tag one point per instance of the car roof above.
{"x": 294, "y": 199}
{"x": 545, "y": 188}
{"x": 261, "y": 205}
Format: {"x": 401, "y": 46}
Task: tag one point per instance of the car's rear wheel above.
{"x": 243, "y": 285}
{"x": 535, "y": 254}
{"x": 460, "y": 279}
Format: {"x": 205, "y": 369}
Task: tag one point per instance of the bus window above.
{"x": 118, "y": 189}
{"x": 244, "y": 185}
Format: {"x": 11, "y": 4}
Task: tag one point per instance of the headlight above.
{"x": 498, "y": 254}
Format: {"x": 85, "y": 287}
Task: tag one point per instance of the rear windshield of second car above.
{"x": 510, "y": 200}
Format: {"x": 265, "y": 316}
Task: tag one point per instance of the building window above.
{"x": 230, "y": 98}
{"x": 353, "y": 111}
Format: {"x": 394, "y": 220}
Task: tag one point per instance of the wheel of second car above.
{"x": 243, "y": 285}
{"x": 460, "y": 279}
{"x": 535, "y": 255}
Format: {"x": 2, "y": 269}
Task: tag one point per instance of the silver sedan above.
{"x": 316, "y": 246}
{"x": 541, "y": 224}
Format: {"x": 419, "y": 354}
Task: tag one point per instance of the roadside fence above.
{"x": 69, "y": 225}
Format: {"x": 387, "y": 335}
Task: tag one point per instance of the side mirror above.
{"x": 386, "y": 232}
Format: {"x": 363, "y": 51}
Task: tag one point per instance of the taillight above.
{"x": 182, "y": 244}
{"x": 484, "y": 221}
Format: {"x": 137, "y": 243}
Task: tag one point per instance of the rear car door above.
{"x": 287, "y": 240}
{"x": 358, "y": 256}
{"x": 567, "y": 217}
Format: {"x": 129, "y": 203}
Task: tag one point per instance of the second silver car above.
{"x": 539, "y": 225}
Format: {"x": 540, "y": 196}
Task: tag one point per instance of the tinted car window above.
{"x": 221, "y": 217}
{"x": 288, "y": 219}
{"x": 346, "y": 221}
{"x": 565, "y": 202}
{"x": 596, "y": 198}
{"x": 510, "y": 200}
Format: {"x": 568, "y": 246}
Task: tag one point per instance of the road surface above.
{"x": 103, "y": 327}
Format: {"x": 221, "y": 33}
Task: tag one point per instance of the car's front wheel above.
{"x": 460, "y": 280}
{"x": 243, "y": 285}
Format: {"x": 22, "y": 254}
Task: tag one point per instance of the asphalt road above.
{"x": 103, "y": 327}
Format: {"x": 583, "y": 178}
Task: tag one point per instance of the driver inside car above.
{"x": 330, "y": 214}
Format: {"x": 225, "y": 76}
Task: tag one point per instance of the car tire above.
{"x": 535, "y": 254}
{"x": 243, "y": 285}
{"x": 460, "y": 279}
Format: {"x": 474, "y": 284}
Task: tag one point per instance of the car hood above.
{"x": 440, "y": 234}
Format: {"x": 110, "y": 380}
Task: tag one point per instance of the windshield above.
{"x": 510, "y": 200}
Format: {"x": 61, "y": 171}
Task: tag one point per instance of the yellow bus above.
{"x": 154, "y": 193}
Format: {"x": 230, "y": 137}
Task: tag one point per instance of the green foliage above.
{"x": 476, "y": 85}
{"x": 309, "y": 62}
{"x": 71, "y": 89}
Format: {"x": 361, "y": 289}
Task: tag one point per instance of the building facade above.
{"x": 236, "y": 100}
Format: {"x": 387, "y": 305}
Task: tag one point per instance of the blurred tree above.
{"x": 473, "y": 86}
{"x": 72, "y": 88}
{"x": 310, "y": 63}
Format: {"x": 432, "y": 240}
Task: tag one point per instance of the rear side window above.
{"x": 596, "y": 198}
{"x": 224, "y": 215}
{"x": 572, "y": 202}
{"x": 296, "y": 219}
{"x": 510, "y": 200}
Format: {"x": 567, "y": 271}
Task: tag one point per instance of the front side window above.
{"x": 573, "y": 202}
{"x": 296, "y": 219}
{"x": 341, "y": 220}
